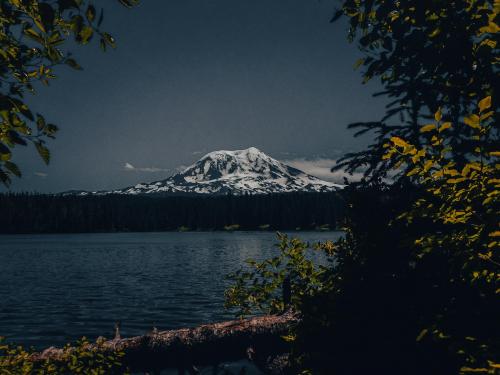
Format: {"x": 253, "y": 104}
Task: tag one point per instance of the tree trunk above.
{"x": 256, "y": 338}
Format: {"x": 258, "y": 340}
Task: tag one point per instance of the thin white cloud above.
{"x": 129, "y": 167}
{"x": 197, "y": 152}
{"x": 40, "y": 174}
{"x": 321, "y": 168}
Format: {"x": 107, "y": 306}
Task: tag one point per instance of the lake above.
{"x": 58, "y": 288}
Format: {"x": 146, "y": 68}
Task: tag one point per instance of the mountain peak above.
{"x": 226, "y": 164}
{"x": 248, "y": 153}
{"x": 238, "y": 172}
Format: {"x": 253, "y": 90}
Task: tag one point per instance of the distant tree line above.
{"x": 38, "y": 213}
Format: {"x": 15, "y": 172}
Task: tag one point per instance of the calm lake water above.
{"x": 58, "y": 288}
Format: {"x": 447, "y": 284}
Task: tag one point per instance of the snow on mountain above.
{"x": 238, "y": 172}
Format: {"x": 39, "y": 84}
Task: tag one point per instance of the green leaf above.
{"x": 32, "y": 34}
{"x": 72, "y": 63}
{"x": 13, "y": 168}
{"x": 40, "y": 122}
{"x": 55, "y": 39}
{"x": 4, "y": 177}
{"x": 4, "y": 150}
{"x": 26, "y": 112}
{"x": 14, "y": 137}
{"x": 51, "y": 129}
{"x": 39, "y": 24}
{"x": 109, "y": 40}
{"x": 43, "y": 151}
{"x": 86, "y": 34}
{"x": 90, "y": 13}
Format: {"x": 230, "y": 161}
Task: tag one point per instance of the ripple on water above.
{"x": 58, "y": 288}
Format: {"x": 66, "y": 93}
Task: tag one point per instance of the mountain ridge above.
{"x": 238, "y": 172}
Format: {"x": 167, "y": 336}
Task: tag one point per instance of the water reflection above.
{"x": 57, "y": 288}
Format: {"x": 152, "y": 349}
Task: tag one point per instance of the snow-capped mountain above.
{"x": 237, "y": 172}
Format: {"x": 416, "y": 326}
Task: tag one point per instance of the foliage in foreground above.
{"x": 413, "y": 285}
{"x": 33, "y": 34}
{"x": 462, "y": 201}
{"x": 260, "y": 286}
{"x": 77, "y": 359}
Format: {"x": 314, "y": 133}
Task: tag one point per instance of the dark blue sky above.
{"x": 193, "y": 76}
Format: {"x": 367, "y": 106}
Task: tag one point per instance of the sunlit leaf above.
{"x": 438, "y": 115}
{"x": 472, "y": 121}
{"x": 399, "y": 142}
{"x": 427, "y": 128}
{"x": 485, "y": 103}
{"x": 444, "y": 126}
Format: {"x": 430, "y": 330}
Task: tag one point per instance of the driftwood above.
{"x": 257, "y": 339}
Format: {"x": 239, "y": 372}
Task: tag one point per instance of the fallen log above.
{"x": 256, "y": 338}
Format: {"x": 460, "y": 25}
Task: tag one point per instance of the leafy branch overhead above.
{"x": 32, "y": 37}
{"x": 426, "y": 55}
